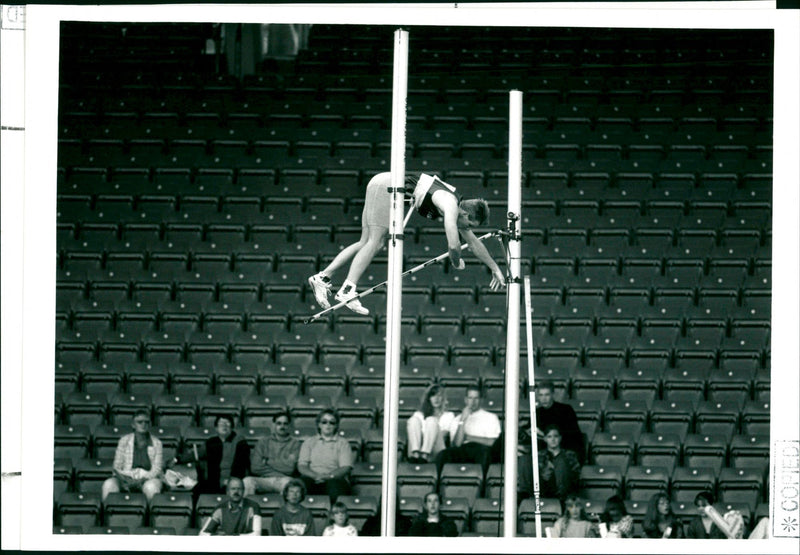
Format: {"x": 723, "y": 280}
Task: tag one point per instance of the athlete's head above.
{"x": 473, "y": 212}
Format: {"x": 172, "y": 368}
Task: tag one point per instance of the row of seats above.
{"x": 707, "y": 311}
{"x": 634, "y": 186}
{"x": 648, "y": 375}
{"x": 191, "y": 252}
{"x": 616, "y": 110}
{"x": 173, "y": 513}
{"x": 720, "y": 428}
{"x": 443, "y": 156}
{"x": 754, "y": 76}
{"x": 244, "y": 348}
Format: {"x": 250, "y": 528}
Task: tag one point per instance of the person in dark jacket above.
{"x": 226, "y": 454}
{"x": 549, "y": 412}
{"x": 430, "y": 521}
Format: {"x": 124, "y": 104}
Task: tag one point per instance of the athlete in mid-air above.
{"x": 433, "y": 199}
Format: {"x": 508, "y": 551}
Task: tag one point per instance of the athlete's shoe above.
{"x": 354, "y": 304}
{"x": 322, "y": 288}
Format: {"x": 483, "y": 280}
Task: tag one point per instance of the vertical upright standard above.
{"x": 512, "y": 323}
{"x": 394, "y": 285}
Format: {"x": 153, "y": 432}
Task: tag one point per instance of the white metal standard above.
{"x": 534, "y": 440}
{"x": 394, "y": 283}
{"x": 512, "y": 322}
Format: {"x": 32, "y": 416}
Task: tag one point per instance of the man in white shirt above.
{"x": 472, "y": 434}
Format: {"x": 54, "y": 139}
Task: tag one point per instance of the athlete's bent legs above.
{"x": 363, "y": 258}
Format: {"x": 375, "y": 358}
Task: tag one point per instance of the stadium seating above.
{"x": 193, "y": 204}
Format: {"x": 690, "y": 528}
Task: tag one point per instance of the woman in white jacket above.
{"x": 427, "y": 427}
{"x": 138, "y": 461}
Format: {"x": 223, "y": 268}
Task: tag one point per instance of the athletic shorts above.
{"x": 378, "y": 201}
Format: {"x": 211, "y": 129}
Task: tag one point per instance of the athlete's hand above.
{"x": 498, "y": 281}
{"x": 455, "y": 258}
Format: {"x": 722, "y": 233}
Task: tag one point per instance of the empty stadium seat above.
{"x": 78, "y": 509}
{"x": 461, "y": 480}
{"x": 172, "y": 510}
{"x": 125, "y": 509}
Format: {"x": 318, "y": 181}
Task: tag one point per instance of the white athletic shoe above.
{"x": 321, "y": 289}
{"x": 354, "y": 305}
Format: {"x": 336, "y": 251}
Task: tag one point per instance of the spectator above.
{"x": 472, "y": 434}
{"x": 138, "y": 461}
{"x": 235, "y": 516}
{"x": 709, "y": 524}
{"x": 549, "y": 411}
{"x": 226, "y": 455}
{"x": 559, "y": 469}
{"x": 273, "y": 462}
{"x": 292, "y": 519}
{"x": 573, "y": 523}
{"x": 339, "y": 522}
{"x": 761, "y": 530}
{"x": 326, "y": 459}
{"x": 430, "y": 521}
{"x": 659, "y": 520}
{"x": 615, "y": 522}
{"x": 427, "y": 427}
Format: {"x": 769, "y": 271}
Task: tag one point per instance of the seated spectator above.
{"x": 761, "y": 530}
{"x": 273, "y": 461}
{"x": 659, "y": 520}
{"x": 430, "y": 521}
{"x": 548, "y": 412}
{"x": 339, "y": 522}
{"x": 326, "y": 459}
{"x": 226, "y": 455}
{"x": 709, "y": 524}
{"x": 573, "y": 523}
{"x": 559, "y": 469}
{"x": 551, "y": 412}
{"x": 615, "y": 522}
{"x": 235, "y": 516}
{"x": 472, "y": 434}
{"x": 292, "y": 519}
{"x": 428, "y": 427}
{"x": 138, "y": 461}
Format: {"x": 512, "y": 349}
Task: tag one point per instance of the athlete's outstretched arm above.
{"x": 477, "y": 246}
{"x": 447, "y": 205}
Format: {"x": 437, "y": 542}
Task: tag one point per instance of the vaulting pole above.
{"x": 394, "y": 284}
{"x": 532, "y": 397}
{"x": 512, "y": 330}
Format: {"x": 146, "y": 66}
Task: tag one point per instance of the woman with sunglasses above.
{"x": 326, "y": 459}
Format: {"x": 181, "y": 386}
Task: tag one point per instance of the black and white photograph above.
{"x": 503, "y": 278}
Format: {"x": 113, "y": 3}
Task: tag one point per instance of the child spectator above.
{"x": 340, "y": 522}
